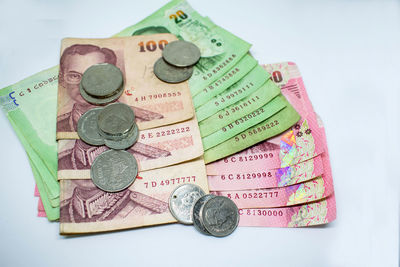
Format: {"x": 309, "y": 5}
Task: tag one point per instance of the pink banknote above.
{"x": 41, "y": 211}
{"x": 302, "y": 142}
{"x": 267, "y": 178}
{"x": 36, "y": 192}
{"x": 315, "y": 213}
{"x": 309, "y": 191}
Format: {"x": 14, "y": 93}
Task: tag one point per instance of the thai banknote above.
{"x": 301, "y": 142}
{"x": 41, "y": 210}
{"x": 258, "y": 177}
{"x": 304, "y": 192}
{"x": 319, "y": 212}
{"x": 241, "y": 89}
{"x": 310, "y": 214}
{"x": 220, "y": 50}
{"x": 255, "y": 117}
{"x": 154, "y": 102}
{"x": 86, "y": 209}
{"x": 239, "y": 109}
{"x": 155, "y": 148}
{"x": 237, "y": 72}
{"x": 271, "y": 127}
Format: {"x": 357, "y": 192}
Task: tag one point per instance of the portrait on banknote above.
{"x": 74, "y": 60}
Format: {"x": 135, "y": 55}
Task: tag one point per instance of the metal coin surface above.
{"x": 220, "y": 216}
{"x": 181, "y": 53}
{"x": 102, "y": 80}
{"x": 87, "y": 127}
{"x": 126, "y": 142}
{"x": 196, "y": 213}
{"x": 101, "y": 84}
{"x": 181, "y": 202}
{"x": 114, "y": 170}
{"x": 100, "y": 101}
{"x": 171, "y": 74}
{"x": 116, "y": 119}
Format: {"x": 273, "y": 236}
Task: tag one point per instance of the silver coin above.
{"x": 220, "y": 216}
{"x": 171, "y": 74}
{"x": 196, "y": 213}
{"x": 115, "y": 120}
{"x": 102, "y": 84}
{"x": 114, "y": 170}
{"x": 181, "y": 202}
{"x": 126, "y": 142}
{"x": 87, "y": 127}
{"x": 181, "y": 53}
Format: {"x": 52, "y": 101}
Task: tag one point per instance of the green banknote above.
{"x": 257, "y": 99}
{"x": 220, "y": 50}
{"x": 245, "y": 122}
{"x": 233, "y": 75}
{"x": 241, "y": 89}
{"x": 274, "y": 125}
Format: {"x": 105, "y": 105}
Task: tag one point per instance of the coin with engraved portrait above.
{"x": 220, "y": 216}
{"x": 101, "y": 84}
{"x": 116, "y": 120}
{"x": 196, "y": 213}
{"x": 114, "y": 170}
{"x": 87, "y": 128}
{"x": 181, "y": 53}
{"x": 171, "y": 74}
{"x": 181, "y": 202}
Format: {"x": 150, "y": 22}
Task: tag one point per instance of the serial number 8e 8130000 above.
{"x": 259, "y": 212}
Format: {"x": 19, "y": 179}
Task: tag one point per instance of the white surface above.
{"x": 348, "y": 53}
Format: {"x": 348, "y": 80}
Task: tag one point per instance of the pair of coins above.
{"x": 113, "y": 126}
{"x": 211, "y": 215}
{"x": 101, "y": 84}
{"x": 176, "y": 63}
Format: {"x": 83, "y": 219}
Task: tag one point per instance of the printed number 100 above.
{"x": 152, "y": 45}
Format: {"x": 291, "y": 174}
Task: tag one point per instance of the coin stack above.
{"x": 211, "y": 215}
{"x": 102, "y": 84}
{"x": 113, "y": 126}
{"x": 176, "y": 63}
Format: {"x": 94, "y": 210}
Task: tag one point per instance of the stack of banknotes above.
{"x": 253, "y": 125}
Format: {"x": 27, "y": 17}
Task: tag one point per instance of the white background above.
{"x": 348, "y": 53}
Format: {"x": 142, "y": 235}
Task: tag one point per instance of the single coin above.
{"x": 181, "y": 202}
{"x": 126, "y": 142}
{"x": 102, "y": 84}
{"x": 196, "y": 213}
{"x": 181, "y": 53}
{"x": 114, "y": 170}
{"x": 116, "y": 119}
{"x": 171, "y": 74}
{"x": 220, "y": 216}
{"x": 87, "y": 127}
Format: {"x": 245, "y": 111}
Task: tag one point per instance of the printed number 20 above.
{"x": 152, "y": 46}
{"x": 179, "y": 16}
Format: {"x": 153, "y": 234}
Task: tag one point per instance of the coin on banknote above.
{"x": 102, "y": 83}
{"x": 87, "y": 127}
{"x": 181, "y": 53}
{"x": 171, "y": 74}
{"x": 126, "y": 142}
{"x": 114, "y": 170}
{"x": 181, "y": 202}
{"x": 220, "y": 216}
{"x": 116, "y": 120}
{"x": 196, "y": 213}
